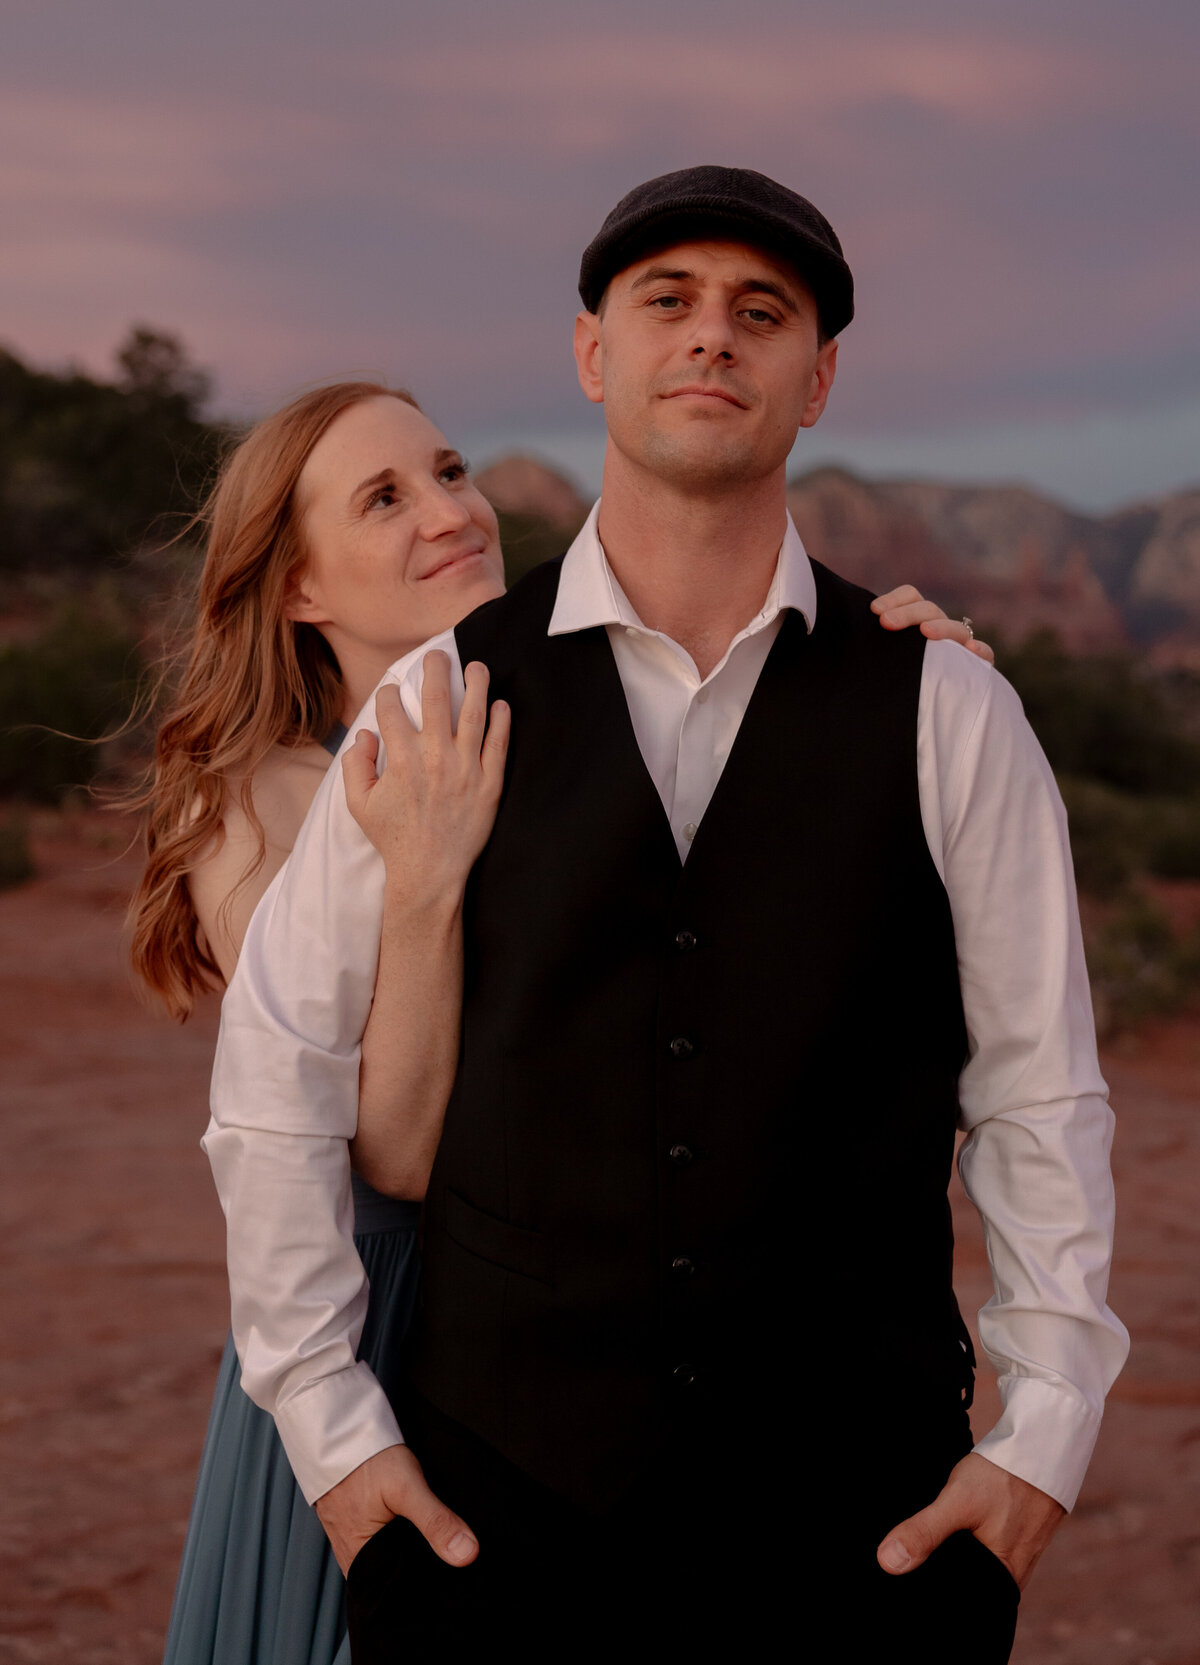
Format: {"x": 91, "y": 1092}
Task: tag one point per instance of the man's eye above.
{"x": 759, "y": 315}
{"x": 668, "y": 303}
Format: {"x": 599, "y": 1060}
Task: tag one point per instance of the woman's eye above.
{"x": 455, "y": 471}
{"x": 381, "y": 499}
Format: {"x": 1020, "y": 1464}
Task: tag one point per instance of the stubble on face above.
{"x": 684, "y": 459}
{"x": 717, "y": 317}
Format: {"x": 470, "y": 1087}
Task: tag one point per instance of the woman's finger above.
{"x": 495, "y": 748}
{"x": 899, "y": 597}
{"x": 910, "y": 613}
{"x": 957, "y": 630}
{"x": 435, "y": 697}
{"x": 358, "y": 770}
{"x": 472, "y": 718}
{"x": 391, "y": 718}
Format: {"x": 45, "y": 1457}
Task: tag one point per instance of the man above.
{"x": 762, "y": 879}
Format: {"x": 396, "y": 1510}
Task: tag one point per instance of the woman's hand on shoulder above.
{"x": 906, "y": 606}
{"x": 430, "y": 812}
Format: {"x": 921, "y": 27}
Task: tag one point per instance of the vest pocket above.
{"x": 512, "y": 1248}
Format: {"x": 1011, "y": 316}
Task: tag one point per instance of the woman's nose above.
{"x": 443, "y": 512}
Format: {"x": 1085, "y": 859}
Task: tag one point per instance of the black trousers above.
{"x": 709, "y": 1557}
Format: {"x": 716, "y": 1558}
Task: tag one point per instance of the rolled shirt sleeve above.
{"x": 284, "y": 1106}
{"x": 1035, "y": 1160}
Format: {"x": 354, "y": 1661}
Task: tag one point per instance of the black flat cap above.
{"x": 731, "y": 201}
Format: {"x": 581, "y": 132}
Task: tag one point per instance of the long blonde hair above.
{"x": 249, "y": 679}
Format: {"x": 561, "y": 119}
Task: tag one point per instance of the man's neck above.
{"x": 696, "y": 566}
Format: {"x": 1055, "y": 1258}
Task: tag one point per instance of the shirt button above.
{"x": 685, "y": 941}
{"x": 680, "y": 1155}
{"x": 630, "y": 630}
{"x": 690, "y": 831}
{"x": 681, "y": 1047}
{"x": 682, "y": 1266}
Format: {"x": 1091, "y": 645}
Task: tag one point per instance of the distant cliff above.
{"x": 1005, "y": 553}
{"x": 999, "y": 553}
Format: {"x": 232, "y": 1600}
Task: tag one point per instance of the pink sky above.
{"x": 304, "y": 191}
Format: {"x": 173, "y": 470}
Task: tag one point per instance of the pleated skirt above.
{"x": 258, "y": 1584}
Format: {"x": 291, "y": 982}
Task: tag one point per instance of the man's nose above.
{"x": 712, "y": 334}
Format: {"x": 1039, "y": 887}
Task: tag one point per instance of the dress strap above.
{"x": 333, "y": 740}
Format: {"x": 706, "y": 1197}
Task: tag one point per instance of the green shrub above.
{"x": 59, "y": 693}
{"x": 1101, "y": 718}
{"x": 1138, "y": 967}
{"x": 1172, "y": 838}
{"x": 527, "y": 541}
{"x": 1106, "y": 835}
{"x": 87, "y": 466}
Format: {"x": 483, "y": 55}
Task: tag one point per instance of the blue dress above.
{"x": 258, "y": 1584}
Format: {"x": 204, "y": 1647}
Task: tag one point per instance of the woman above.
{"x": 310, "y": 590}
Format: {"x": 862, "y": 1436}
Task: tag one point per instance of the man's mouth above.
{"x": 702, "y": 391}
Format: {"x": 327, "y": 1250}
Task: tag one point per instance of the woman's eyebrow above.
{"x": 380, "y": 479}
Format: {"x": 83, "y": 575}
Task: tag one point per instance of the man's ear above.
{"x": 822, "y": 380}
{"x": 589, "y": 358}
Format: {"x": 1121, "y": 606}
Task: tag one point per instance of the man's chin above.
{"x": 704, "y": 463}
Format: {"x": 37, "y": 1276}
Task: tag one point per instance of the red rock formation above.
{"x": 521, "y": 486}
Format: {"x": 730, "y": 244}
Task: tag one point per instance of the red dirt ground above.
{"x": 115, "y": 1309}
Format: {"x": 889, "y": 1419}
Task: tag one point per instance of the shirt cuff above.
{"x": 1046, "y": 1436}
{"x": 333, "y": 1425}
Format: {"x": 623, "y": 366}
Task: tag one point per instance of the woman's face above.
{"x": 400, "y": 544}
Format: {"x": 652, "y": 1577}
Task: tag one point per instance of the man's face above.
{"x": 707, "y": 358}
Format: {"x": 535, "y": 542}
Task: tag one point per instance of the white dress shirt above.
{"x": 1035, "y": 1159}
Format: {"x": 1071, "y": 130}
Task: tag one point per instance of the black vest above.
{"x": 703, "y": 1113}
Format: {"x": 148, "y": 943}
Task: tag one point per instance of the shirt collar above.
{"x": 589, "y": 595}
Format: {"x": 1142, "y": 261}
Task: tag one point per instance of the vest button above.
{"x": 684, "y": 1376}
{"x": 680, "y": 1155}
{"x": 685, "y": 941}
{"x": 682, "y": 1266}
{"x": 681, "y": 1047}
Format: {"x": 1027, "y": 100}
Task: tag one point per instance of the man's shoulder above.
{"x": 953, "y": 672}
{"x": 512, "y": 622}
{"x": 964, "y": 700}
{"x": 845, "y": 623}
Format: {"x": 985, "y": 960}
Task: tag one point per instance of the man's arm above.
{"x": 1035, "y": 1161}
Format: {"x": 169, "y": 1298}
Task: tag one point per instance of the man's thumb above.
{"x": 916, "y": 1538}
{"x": 447, "y": 1535}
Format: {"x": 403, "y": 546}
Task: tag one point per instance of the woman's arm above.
{"x": 429, "y": 815}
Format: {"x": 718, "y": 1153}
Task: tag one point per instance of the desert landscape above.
{"x": 115, "y": 1304}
